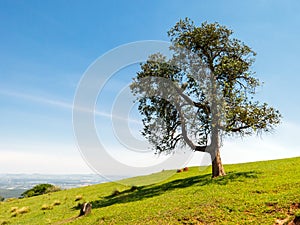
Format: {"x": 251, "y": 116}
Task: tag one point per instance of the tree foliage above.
{"x": 205, "y": 90}
{"x": 40, "y": 189}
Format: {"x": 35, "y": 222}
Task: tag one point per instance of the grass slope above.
{"x": 251, "y": 193}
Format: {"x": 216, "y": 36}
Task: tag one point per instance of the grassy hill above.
{"x": 251, "y": 193}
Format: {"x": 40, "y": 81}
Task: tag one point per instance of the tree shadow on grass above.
{"x": 144, "y": 192}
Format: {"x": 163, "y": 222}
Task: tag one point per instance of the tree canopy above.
{"x": 203, "y": 92}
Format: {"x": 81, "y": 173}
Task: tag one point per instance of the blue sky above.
{"x": 46, "y": 46}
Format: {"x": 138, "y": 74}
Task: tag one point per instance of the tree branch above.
{"x": 184, "y": 131}
{"x": 205, "y": 107}
{"x": 196, "y": 148}
{"x": 199, "y": 148}
{"x": 238, "y": 129}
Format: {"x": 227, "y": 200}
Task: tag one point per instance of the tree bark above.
{"x": 216, "y": 164}
{"x": 214, "y": 151}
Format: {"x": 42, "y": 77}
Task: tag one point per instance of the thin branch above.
{"x": 238, "y": 129}
{"x": 200, "y": 148}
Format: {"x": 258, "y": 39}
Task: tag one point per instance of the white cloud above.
{"x": 283, "y": 143}
{"x": 46, "y": 163}
{"x": 63, "y": 104}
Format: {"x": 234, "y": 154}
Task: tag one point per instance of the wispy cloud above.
{"x": 37, "y": 99}
{"x": 63, "y": 104}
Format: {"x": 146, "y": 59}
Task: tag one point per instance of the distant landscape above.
{"x": 13, "y": 185}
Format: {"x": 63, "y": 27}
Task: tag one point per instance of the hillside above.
{"x": 251, "y": 193}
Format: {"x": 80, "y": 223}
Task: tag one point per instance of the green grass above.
{"x": 251, "y": 193}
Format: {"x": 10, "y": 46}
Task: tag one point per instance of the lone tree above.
{"x": 203, "y": 92}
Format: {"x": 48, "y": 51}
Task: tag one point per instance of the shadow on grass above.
{"x": 149, "y": 191}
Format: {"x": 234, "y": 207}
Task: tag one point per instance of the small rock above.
{"x": 86, "y": 209}
{"x": 296, "y": 221}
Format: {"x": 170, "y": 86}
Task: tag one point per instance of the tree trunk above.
{"x": 216, "y": 113}
{"x": 216, "y": 164}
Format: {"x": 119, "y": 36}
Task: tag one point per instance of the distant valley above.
{"x": 13, "y": 185}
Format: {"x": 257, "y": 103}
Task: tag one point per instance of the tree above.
{"x": 40, "y": 189}
{"x": 203, "y": 92}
